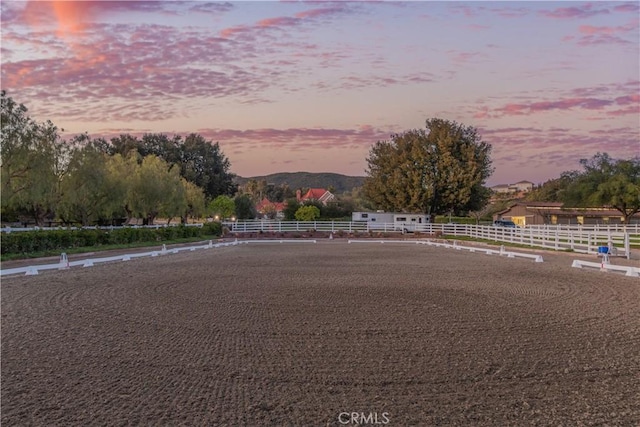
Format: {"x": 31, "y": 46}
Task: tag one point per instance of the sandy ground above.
{"x": 300, "y": 334}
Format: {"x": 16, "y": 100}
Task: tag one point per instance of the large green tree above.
{"x": 222, "y": 207}
{"x": 203, "y": 163}
{"x": 86, "y": 190}
{"x": 605, "y": 181}
{"x": 157, "y": 190}
{"x": 433, "y": 170}
{"x": 244, "y": 207}
{"x": 200, "y": 162}
{"x": 122, "y": 172}
{"x": 33, "y": 157}
{"x": 195, "y": 207}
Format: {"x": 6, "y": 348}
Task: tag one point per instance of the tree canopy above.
{"x": 32, "y": 162}
{"x": 89, "y": 181}
{"x": 200, "y": 162}
{"x": 605, "y": 182}
{"x": 435, "y": 170}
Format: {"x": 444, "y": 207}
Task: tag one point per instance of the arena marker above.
{"x": 539, "y": 259}
{"x": 64, "y": 261}
{"x": 31, "y": 272}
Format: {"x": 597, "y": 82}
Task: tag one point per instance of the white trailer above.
{"x": 391, "y": 221}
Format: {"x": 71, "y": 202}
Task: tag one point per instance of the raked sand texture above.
{"x": 299, "y": 334}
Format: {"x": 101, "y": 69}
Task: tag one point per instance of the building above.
{"x": 270, "y": 210}
{"x": 501, "y": 189}
{"x": 319, "y": 194}
{"x": 518, "y": 187}
{"x": 553, "y": 213}
{"x": 522, "y": 186}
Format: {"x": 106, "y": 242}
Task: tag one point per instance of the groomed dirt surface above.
{"x": 298, "y": 334}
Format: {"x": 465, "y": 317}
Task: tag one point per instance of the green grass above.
{"x": 98, "y": 248}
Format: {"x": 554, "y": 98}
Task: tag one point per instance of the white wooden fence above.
{"x": 576, "y": 238}
{"x": 582, "y": 239}
{"x": 64, "y": 262}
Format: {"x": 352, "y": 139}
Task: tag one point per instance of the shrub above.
{"x": 25, "y": 242}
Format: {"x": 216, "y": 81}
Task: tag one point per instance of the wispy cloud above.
{"x": 580, "y": 12}
{"x": 597, "y": 35}
{"x": 627, "y": 7}
{"x": 610, "y": 105}
{"x": 251, "y": 31}
{"x": 298, "y": 138}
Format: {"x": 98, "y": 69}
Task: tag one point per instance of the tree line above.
{"x": 90, "y": 180}
{"x": 603, "y": 181}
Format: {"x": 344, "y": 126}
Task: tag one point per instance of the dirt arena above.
{"x": 322, "y": 334}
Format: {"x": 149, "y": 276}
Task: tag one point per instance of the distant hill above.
{"x": 296, "y": 180}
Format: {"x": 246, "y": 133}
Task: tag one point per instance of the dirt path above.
{"x": 278, "y": 334}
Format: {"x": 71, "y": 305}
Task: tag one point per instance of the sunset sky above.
{"x": 310, "y": 86}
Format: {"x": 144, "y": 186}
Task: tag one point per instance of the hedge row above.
{"x": 25, "y": 242}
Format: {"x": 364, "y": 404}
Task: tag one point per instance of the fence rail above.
{"x": 583, "y": 239}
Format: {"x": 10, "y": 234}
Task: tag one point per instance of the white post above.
{"x": 627, "y": 245}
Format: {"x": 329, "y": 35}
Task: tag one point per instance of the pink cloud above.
{"x": 563, "y": 104}
{"x": 282, "y": 22}
{"x": 584, "y": 11}
{"x": 320, "y": 12}
{"x": 627, "y": 7}
{"x": 461, "y": 58}
{"x": 73, "y": 16}
{"x": 629, "y": 99}
{"x": 231, "y": 31}
{"x": 298, "y": 138}
{"x": 590, "y": 29}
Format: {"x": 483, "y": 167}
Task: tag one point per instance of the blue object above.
{"x": 603, "y": 249}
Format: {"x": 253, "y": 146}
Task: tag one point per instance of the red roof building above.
{"x": 267, "y": 208}
{"x": 319, "y": 194}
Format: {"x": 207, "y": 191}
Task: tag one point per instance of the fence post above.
{"x": 571, "y": 241}
{"x": 627, "y": 245}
